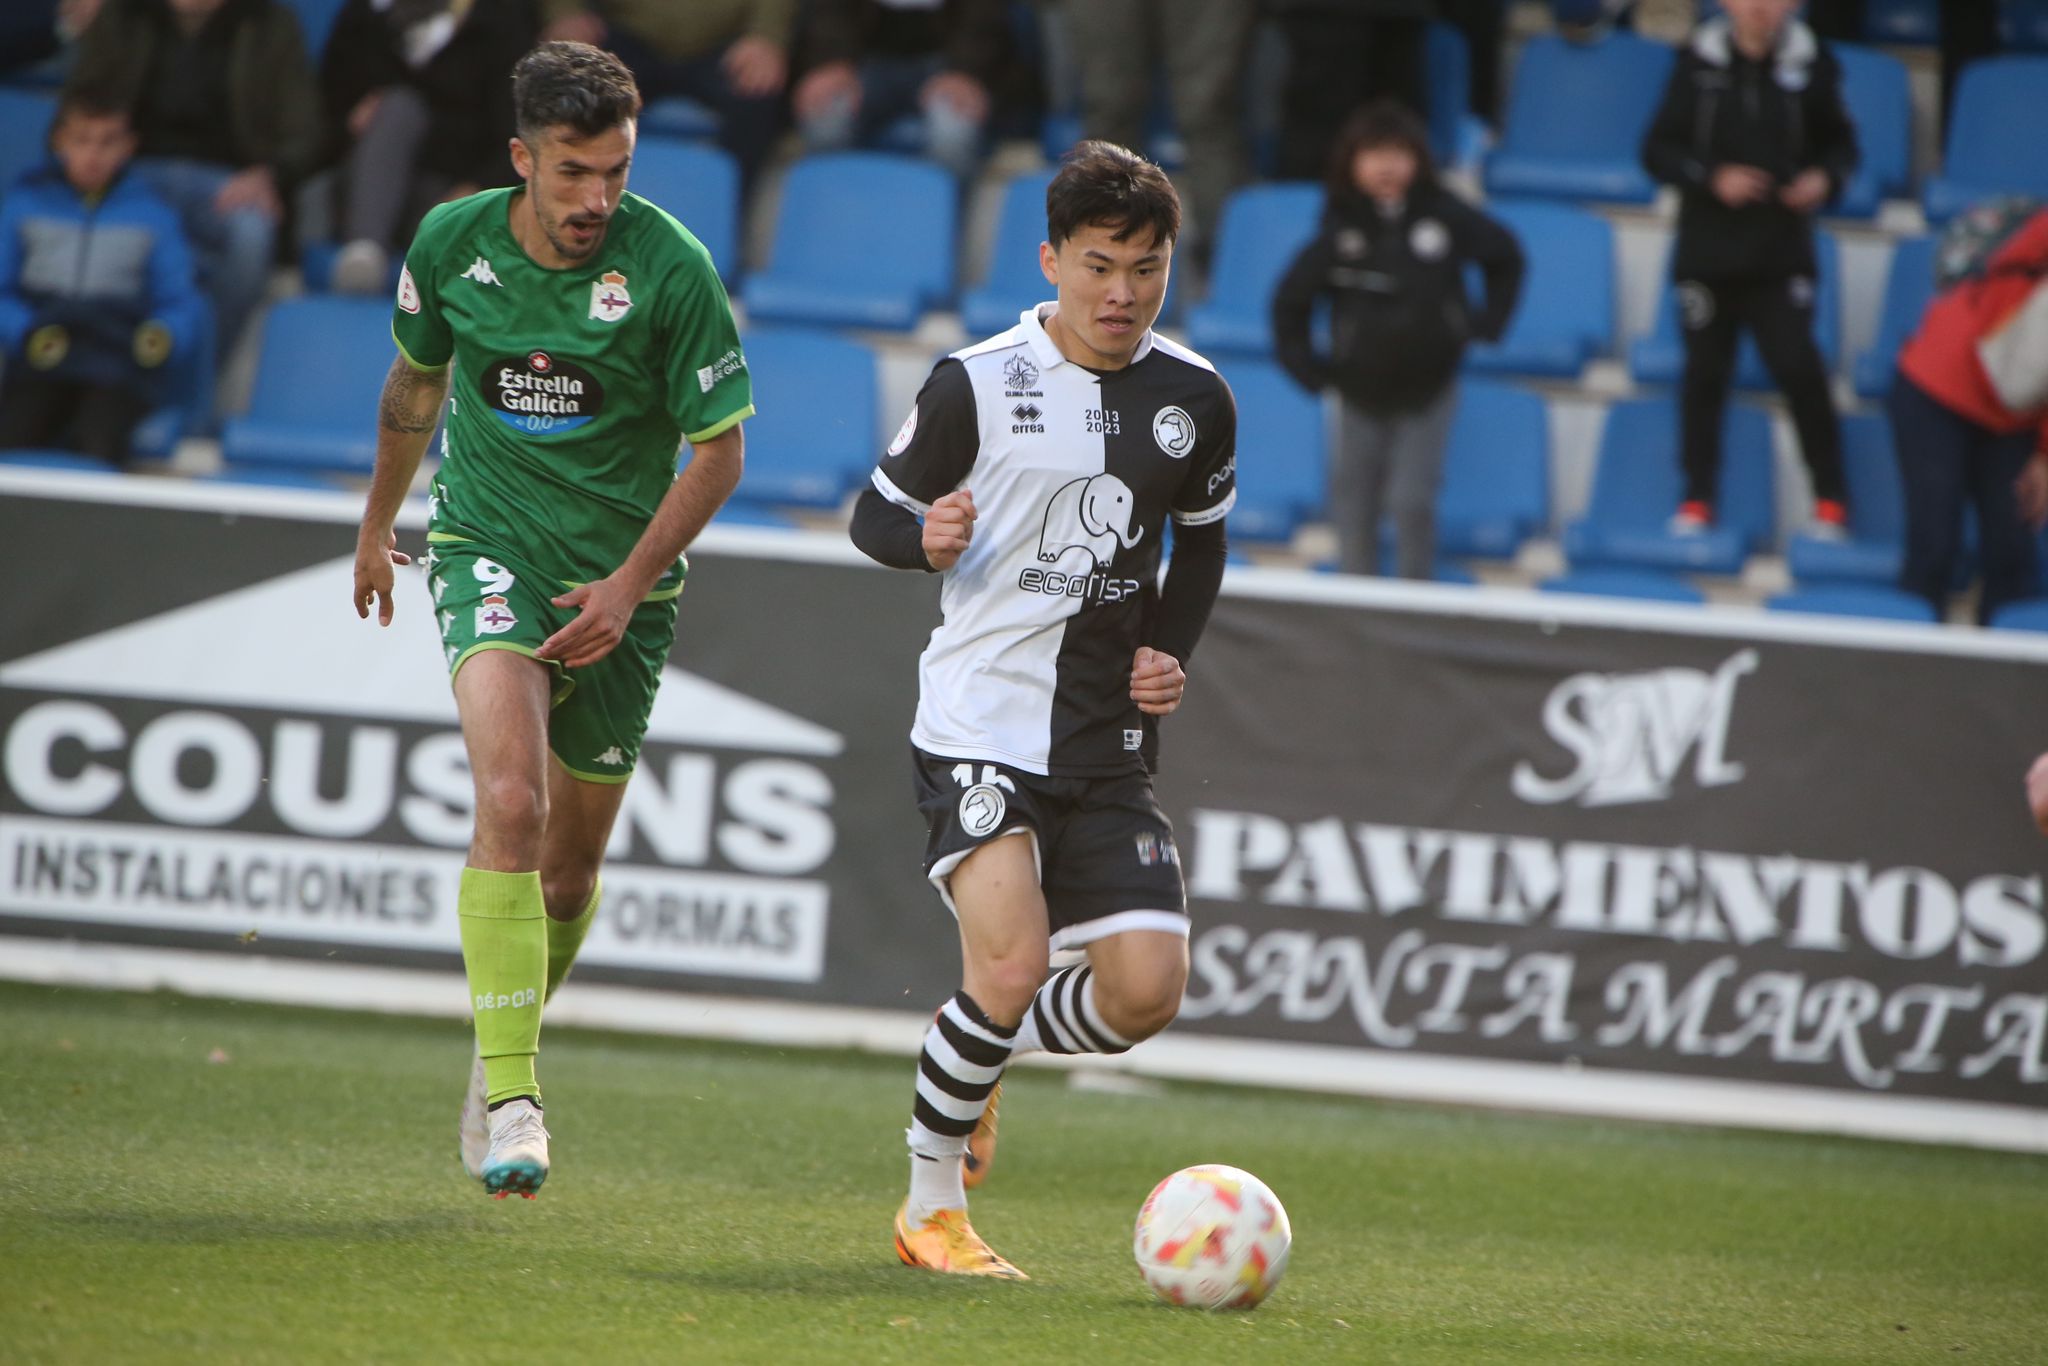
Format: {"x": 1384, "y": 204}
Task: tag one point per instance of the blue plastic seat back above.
{"x": 1877, "y": 502}
{"x": 1496, "y": 485}
{"x": 1576, "y": 116}
{"x": 1566, "y": 313}
{"x": 24, "y": 131}
{"x": 1637, "y": 484}
{"x": 814, "y": 437}
{"x": 346, "y": 342}
{"x": 1871, "y": 601}
{"x": 1909, "y": 286}
{"x": 1880, "y": 103}
{"x": 888, "y": 222}
{"x": 698, "y": 184}
{"x": 1264, "y": 228}
{"x": 1989, "y": 148}
{"x": 1281, "y": 451}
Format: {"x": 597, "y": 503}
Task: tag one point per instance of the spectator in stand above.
{"x": 1204, "y": 46}
{"x": 871, "y": 62}
{"x": 1969, "y": 427}
{"x": 421, "y": 93}
{"x": 228, "y": 117}
{"x": 33, "y": 31}
{"x": 1753, "y": 133}
{"x": 96, "y": 289}
{"x": 1342, "y": 54}
{"x": 1391, "y": 256}
{"x": 730, "y": 55}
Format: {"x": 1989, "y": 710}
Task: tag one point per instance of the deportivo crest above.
{"x": 1019, "y": 372}
{"x": 408, "y": 292}
{"x": 1174, "y": 430}
{"x": 493, "y": 617}
{"x": 608, "y": 297}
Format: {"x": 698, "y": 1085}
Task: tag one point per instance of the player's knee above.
{"x": 1003, "y": 984}
{"x": 1139, "y": 1007}
{"x": 566, "y": 893}
{"x": 511, "y": 809}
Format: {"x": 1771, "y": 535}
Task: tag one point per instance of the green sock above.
{"x": 566, "y": 936}
{"x": 505, "y": 949}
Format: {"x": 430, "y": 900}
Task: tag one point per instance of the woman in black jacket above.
{"x": 1391, "y": 256}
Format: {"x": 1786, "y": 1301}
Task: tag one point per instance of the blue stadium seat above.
{"x": 1014, "y": 282}
{"x": 1496, "y": 488}
{"x": 675, "y": 117}
{"x": 699, "y": 184}
{"x": 277, "y": 477}
{"x": 1642, "y": 584}
{"x": 1281, "y": 449}
{"x": 1456, "y": 136}
{"x": 327, "y": 425}
{"x": 1660, "y": 357}
{"x": 1566, "y": 314}
{"x": 1264, "y": 228}
{"x": 1443, "y": 571}
{"x": 2030, "y": 615}
{"x": 1636, "y": 489}
{"x": 316, "y": 22}
{"x": 1988, "y": 152}
{"x": 1575, "y": 119}
{"x": 1877, "y": 513}
{"x": 1903, "y": 22}
{"x": 70, "y": 462}
{"x": 1875, "y": 89}
{"x": 1854, "y": 600}
{"x": 817, "y": 440}
{"x": 24, "y": 131}
{"x": 863, "y": 239}
{"x": 1909, "y": 285}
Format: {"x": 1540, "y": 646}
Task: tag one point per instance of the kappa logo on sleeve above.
{"x": 408, "y": 292}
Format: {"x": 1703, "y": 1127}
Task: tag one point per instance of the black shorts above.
{"x": 1105, "y": 852}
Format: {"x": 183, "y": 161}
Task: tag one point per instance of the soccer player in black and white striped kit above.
{"x": 1038, "y": 473}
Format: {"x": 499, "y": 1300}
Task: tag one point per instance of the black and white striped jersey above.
{"x": 1074, "y": 474}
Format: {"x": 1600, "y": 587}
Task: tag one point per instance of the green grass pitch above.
{"x": 185, "y": 1180}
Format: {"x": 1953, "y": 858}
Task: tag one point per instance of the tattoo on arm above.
{"x": 412, "y": 398}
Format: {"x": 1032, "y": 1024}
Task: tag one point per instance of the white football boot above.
{"x": 518, "y": 1159}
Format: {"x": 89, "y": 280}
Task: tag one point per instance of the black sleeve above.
{"x": 1209, "y": 488}
{"x": 888, "y": 533}
{"x": 1293, "y": 302}
{"x": 1830, "y": 136}
{"x": 1668, "y": 153}
{"x": 936, "y": 446}
{"x": 1489, "y": 244}
{"x": 1194, "y": 574}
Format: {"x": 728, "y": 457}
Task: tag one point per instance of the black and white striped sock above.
{"x": 1062, "y": 1018}
{"x": 963, "y": 1058}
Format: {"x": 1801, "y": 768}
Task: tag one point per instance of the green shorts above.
{"x": 486, "y": 599}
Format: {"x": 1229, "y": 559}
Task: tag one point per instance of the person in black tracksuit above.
{"x": 1753, "y": 132}
{"x": 1391, "y": 256}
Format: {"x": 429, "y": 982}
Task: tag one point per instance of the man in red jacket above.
{"x": 1956, "y": 439}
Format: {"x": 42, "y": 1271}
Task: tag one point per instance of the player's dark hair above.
{"x": 1104, "y": 185}
{"x": 574, "y": 86}
{"x": 1383, "y": 123}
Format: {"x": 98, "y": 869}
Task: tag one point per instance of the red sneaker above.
{"x": 1693, "y": 518}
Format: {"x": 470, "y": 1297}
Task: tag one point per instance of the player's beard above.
{"x": 565, "y": 246}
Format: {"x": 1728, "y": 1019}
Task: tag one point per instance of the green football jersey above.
{"x": 571, "y": 390}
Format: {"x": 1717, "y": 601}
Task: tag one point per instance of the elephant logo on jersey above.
{"x": 1091, "y": 514}
{"x": 1174, "y": 430}
{"x": 608, "y": 297}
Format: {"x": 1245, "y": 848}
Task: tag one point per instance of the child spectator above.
{"x": 1753, "y": 133}
{"x": 96, "y": 289}
{"x": 1391, "y": 255}
{"x": 228, "y": 117}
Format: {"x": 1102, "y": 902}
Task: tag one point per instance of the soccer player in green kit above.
{"x": 579, "y": 335}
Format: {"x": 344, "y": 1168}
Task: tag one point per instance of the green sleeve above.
{"x": 709, "y": 388}
{"x": 417, "y": 324}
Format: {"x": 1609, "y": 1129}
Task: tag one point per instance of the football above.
{"x": 1212, "y": 1237}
